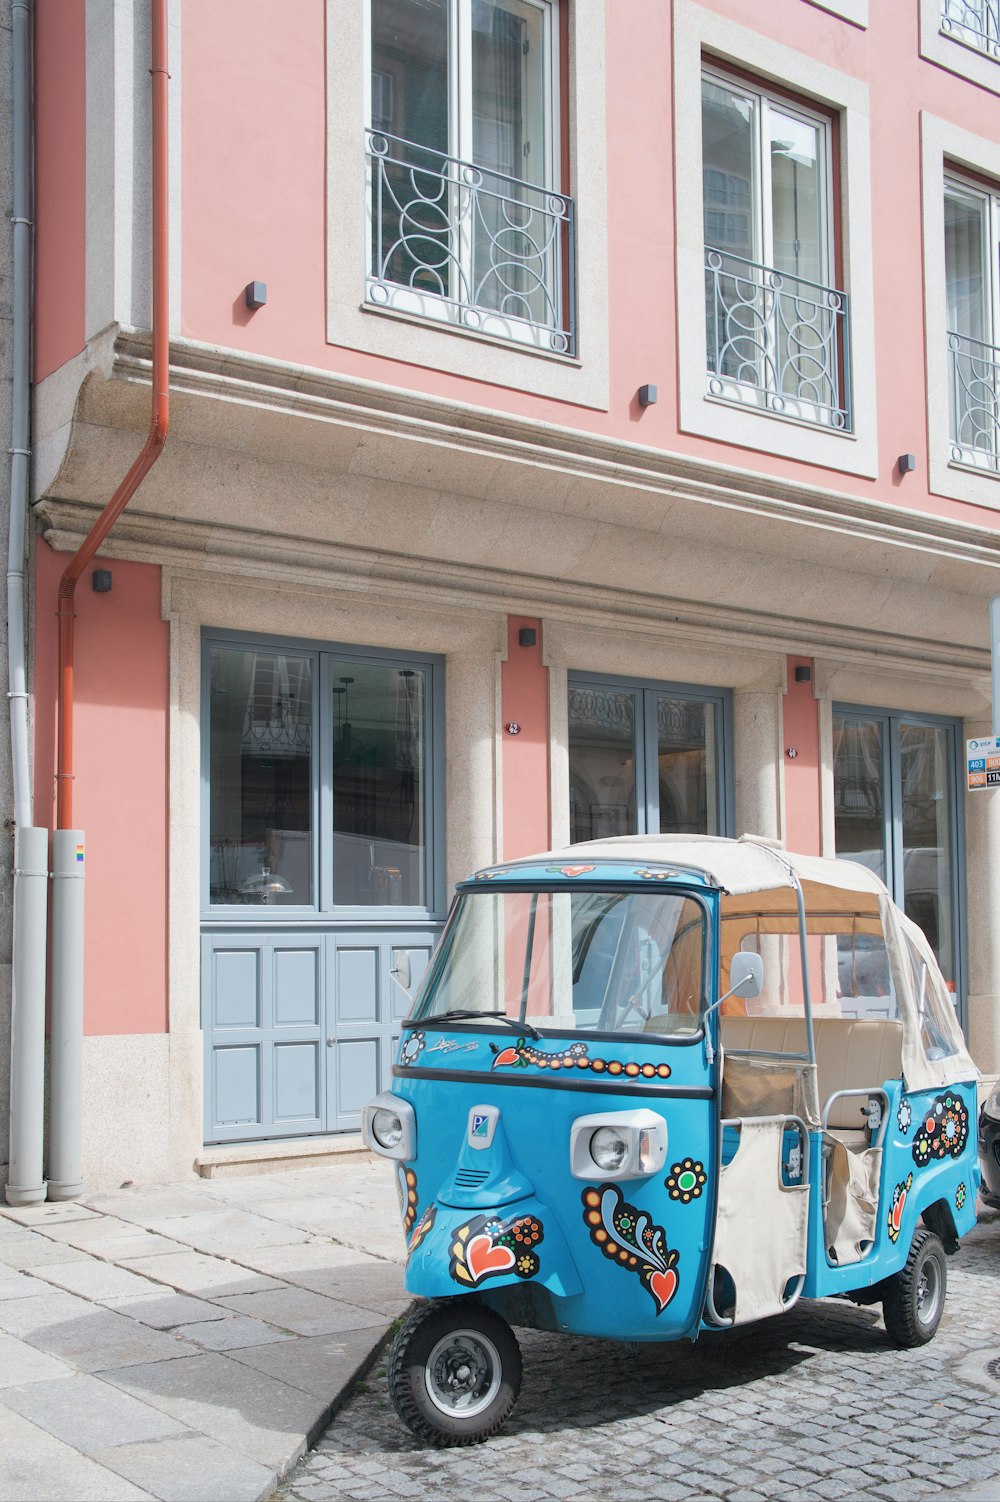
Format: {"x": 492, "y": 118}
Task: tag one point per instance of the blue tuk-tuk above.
{"x": 660, "y": 1086}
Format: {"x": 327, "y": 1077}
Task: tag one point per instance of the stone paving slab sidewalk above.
{"x": 188, "y": 1342}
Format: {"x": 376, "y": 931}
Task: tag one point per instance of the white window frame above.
{"x": 353, "y": 323}
{"x": 698, "y": 34}
{"x": 762, "y": 222}
{"x": 945, "y": 150}
{"x": 461, "y": 130}
{"x": 989, "y": 205}
{"x": 763, "y": 241}
{"x": 855, "y": 11}
{"x": 948, "y": 48}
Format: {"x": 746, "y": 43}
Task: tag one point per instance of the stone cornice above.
{"x": 280, "y": 563}
{"x": 315, "y": 395}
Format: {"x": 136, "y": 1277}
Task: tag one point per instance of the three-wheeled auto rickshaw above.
{"x": 660, "y": 1086}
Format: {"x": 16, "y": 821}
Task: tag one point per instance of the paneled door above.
{"x": 323, "y": 832}
{"x": 301, "y": 1027}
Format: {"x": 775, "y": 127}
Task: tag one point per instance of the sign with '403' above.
{"x": 983, "y": 762}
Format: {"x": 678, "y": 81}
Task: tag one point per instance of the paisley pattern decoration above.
{"x": 488, "y": 1247}
{"x": 944, "y": 1130}
{"x": 960, "y": 1194}
{"x": 894, "y": 1219}
{"x": 422, "y": 1229}
{"x": 412, "y": 1047}
{"x": 686, "y": 1180}
{"x": 629, "y": 1237}
{"x": 406, "y": 1189}
{"x": 522, "y": 1055}
{"x": 904, "y": 1116}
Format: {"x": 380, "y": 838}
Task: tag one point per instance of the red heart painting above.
{"x": 576, "y": 870}
{"x": 482, "y": 1258}
{"x": 663, "y": 1286}
{"x": 506, "y": 1056}
{"x": 897, "y": 1211}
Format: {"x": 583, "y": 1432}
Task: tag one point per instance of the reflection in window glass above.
{"x": 859, "y": 793}
{"x": 379, "y": 757}
{"x": 796, "y": 148}
{"x": 601, "y": 763}
{"x": 894, "y": 796}
{"x": 644, "y": 761}
{"x": 925, "y": 771}
{"x": 260, "y": 778}
{"x": 689, "y": 794}
{"x": 728, "y": 127}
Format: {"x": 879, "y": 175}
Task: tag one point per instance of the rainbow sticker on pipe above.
{"x": 79, "y": 855}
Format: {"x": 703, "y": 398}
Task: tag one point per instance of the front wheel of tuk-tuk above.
{"x": 454, "y": 1372}
{"x": 913, "y": 1302}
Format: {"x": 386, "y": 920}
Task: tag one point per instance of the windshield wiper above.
{"x": 461, "y": 1014}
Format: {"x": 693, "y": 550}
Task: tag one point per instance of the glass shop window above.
{"x": 318, "y": 776}
{"x": 646, "y": 759}
{"x": 896, "y": 811}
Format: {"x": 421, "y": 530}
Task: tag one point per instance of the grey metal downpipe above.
{"x": 66, "y": 1028}
{"x": 26, "y": 1185}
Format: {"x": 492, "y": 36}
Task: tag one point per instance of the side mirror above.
{"x": 401, "y": 970}
{"x": 746, "y": 975}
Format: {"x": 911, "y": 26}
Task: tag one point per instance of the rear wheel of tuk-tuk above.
{"x": 913, "y": 1301}
{"x": 454, "y": 1372}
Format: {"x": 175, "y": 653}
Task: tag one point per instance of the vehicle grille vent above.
{"x": 471, "y": 1178}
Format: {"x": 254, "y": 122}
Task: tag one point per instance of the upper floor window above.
{"x": 777, "y": 327}
{"x": 972, "y": 248}
{"x": 975, "y": 22}
{"x": 467, "y": 223}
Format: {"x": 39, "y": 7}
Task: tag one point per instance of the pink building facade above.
{"x": 555, "y": 485}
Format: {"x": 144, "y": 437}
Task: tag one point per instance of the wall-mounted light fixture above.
{"x": 803, "y": 674}
{"x": 647, "y": 396}
{"x": 527, "y": 636}
{"x": 906, "y": 463}
{"x": 100, "y": 581}
{"x": 255, "y": 294}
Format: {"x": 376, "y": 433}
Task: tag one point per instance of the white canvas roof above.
{"x": 738, "y": 866}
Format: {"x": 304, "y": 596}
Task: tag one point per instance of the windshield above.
{"x": 612, "y": 961}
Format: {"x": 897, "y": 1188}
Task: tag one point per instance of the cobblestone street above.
{"x": 817, "y": 1406}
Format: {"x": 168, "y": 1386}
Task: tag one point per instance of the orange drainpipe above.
{"x": 159, "y": 424}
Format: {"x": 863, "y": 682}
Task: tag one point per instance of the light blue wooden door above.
{"x": 265, "y": 1064}
{"x": 365, "y": 1007}
{"x": 301, "y": 1026}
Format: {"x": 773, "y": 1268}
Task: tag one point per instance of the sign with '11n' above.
{"x": 983, "y": 762}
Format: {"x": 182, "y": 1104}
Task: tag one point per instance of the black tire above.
{"x": 913, "y": 1301}
{"x": 454, "y": 1372}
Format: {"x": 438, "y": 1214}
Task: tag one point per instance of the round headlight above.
{"x": 387, "y": 1129}
{"x": 609, "y": 1149}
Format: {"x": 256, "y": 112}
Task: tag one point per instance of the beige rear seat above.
{"x": 851, "y": 1054}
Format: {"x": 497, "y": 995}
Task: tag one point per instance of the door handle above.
{"x": 330, "y": 1042}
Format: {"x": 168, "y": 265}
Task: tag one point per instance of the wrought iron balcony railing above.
{"x": 976, "y": 22}
{"x": 470, "y": 246}
{"x": 777, "y": 341}
{"x": 975, "y": 402}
